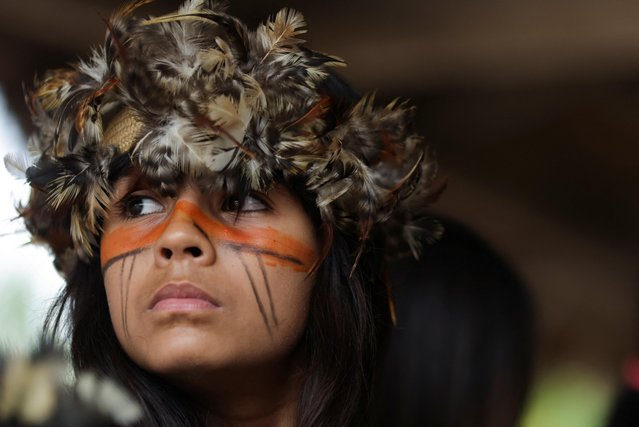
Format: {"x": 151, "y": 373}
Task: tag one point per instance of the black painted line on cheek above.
{"x": 257, "y": 297}
{"x": 122, "y": 312}
{"x": 268, "y": 288}
{"x": 124, "y": 285}
{"x": 126, "y": 293}
{"x": 117, "y": 258}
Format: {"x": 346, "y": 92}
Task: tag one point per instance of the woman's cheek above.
{"x": 124, "y": 283}
{"x": 114, "y": 300}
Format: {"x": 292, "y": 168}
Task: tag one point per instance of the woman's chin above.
{"x": 183, "y": 352}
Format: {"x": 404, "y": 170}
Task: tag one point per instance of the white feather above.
{"x": 191, "y": 6}
{"x": 96, "y": 67}
{"x": 18, "y": 163}
{"x": 108, "y": 397}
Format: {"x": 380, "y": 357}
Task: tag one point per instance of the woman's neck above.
{"x": 276, "y": 413}
{"x": 250, "y": 398}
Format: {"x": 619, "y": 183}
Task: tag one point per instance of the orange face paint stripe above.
{"x": 279, "y": 247}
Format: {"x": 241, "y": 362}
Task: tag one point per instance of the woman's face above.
{"x": 204, "y": 282}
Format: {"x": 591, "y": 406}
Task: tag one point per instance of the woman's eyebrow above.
{"x": 132, "y": 181}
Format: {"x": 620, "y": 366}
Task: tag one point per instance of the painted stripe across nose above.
{"x": 277, "y": 247}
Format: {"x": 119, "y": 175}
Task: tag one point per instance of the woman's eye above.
{"x": 250, "y": 203}
{"x": 140, "y": 205}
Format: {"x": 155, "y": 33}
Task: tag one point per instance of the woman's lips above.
{"x": 182, "y": 297}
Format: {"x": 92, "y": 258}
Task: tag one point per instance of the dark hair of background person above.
{"x": 625, "y": 411}
{"x": 625, "y": 408}
{"x": 462, "y": 352}
{"x": 347, "y": 320}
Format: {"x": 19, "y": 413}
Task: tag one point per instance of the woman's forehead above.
{"x": 135, "y": 179}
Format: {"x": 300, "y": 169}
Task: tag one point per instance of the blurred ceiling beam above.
{"x": 407, "y": 42}
{"x": 61, "y": 24}
{"x": 492, "y": 43}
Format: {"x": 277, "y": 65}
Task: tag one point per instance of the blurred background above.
{"x": 532, "y": 108}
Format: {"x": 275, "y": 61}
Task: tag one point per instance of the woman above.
{"x": 220, "y": 204}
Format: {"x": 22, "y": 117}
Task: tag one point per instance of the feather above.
{"x": 29, "y": 390}
{"x": 317, "y": 111}
{"x": 80, "y": 235}
{"x": 280, "y": 32}
{"x": 254, "y": 97}
{"x": 55, "y": 87}
{"x": 97, "y": 67}
{"x": 235, "y": 31}
{"x": 208, "y": 17}
{"x": 191, "y": 6}
{"x": 406, "y": 185}
{"x": 216, "y": 60}
{"x": 99, "y": 196}
{"x": 88, "y": 120}
{"x": 108, "y": 397}
{"x": 127, "y": 9}
{"x": 18, "y": 163}
{"x": 328, "y": 194}
{"x": 232, "y": 117}
{"x": 65, "y": 189}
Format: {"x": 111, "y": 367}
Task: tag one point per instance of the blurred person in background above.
{"x": 625, "y": 410}
{"x": 462, "y": 352}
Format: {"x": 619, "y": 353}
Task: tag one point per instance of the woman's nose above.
{"x": 183, "y": 240}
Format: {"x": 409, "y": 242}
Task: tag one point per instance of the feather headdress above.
{"x": 196, "y": 93}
